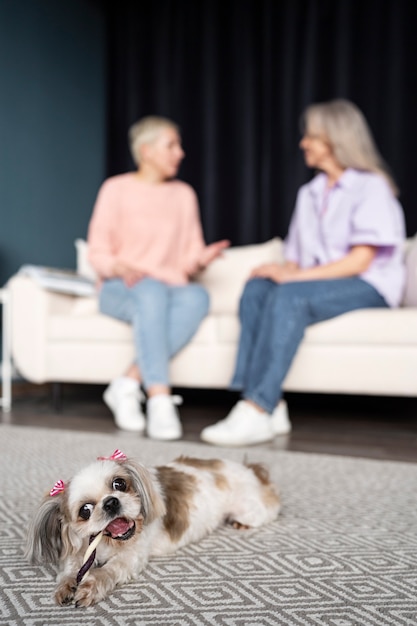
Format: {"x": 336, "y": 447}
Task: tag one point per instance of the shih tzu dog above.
{"x": 102, "y": 526}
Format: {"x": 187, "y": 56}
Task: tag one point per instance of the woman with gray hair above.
{"x": 343, "y": 252}
{"x": 146, "y": 242}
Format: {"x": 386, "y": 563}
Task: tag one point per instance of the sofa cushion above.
{"x": 96, "y": 327}
{"x": 367, "y": 327}
{"x": 225, "y": 278}
{"x": 93, "y": 327}
{"x": 85, "y": 306}
{"x": 395, "y": 327}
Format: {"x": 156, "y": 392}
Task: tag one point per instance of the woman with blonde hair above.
{"x": 343, "y": 252}
{"x": 145, "y": 242}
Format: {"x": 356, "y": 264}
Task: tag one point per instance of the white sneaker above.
{"x": 243, "y": 426}
{"x": 163, "y": 419}
{"x": 281, "y": 424}
{"x": 123, "y": 397}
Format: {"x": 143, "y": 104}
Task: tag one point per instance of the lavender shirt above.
{"x": 359, "y": 210}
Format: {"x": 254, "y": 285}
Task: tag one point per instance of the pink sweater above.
{"x": 156, "y": 228}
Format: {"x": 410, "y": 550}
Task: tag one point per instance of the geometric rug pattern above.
{"x": 343, "y": 551}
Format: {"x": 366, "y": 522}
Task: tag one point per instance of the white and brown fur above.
{"x": 171, "y": 506}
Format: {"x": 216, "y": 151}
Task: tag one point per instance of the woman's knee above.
{"x": 115, "y": 300}
{"x": 150, "y": 297}
{"x": 290, "y": 302}
{"x": 254, "y": 293}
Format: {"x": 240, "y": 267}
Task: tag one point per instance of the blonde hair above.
{"x": 345, "y": 128}
{"x": 146, "y": 130}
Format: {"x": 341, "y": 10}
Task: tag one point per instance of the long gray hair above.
{"x": 344, "y": 126}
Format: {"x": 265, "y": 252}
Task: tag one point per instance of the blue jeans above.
{"x": 164, "y": 319}
{"x": 273, "y": 320}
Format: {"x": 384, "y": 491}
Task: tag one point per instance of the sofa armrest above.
{"x": 31, "y": 308}
{"x": 410, "y": 293}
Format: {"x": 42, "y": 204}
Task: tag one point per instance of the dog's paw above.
{"x": 89, "y": 592}
{"x": 65, "y": 592}
{"x": 236, "y": 525}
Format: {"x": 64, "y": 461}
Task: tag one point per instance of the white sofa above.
{"x": 63, "y": 338}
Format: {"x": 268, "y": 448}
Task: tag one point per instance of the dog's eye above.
{"x": 119, "y": 484}
{"x": 85, "y": 511}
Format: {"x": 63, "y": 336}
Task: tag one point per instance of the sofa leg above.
{"x": 57, "y": 397}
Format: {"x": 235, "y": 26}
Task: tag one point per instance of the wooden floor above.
{"x": 379, "y": 428}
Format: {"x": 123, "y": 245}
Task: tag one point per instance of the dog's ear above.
{"x": 146, "y": 485}
{"x": 44, "y": 542}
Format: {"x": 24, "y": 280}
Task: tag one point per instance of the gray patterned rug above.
{"x": 343, "y": 552}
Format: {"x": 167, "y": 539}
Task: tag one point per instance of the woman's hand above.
{"x": 213, "y": 251}
{"x": 354, "y": 263}
{"x": 278, "y": 273}
{"x": 209, "y": 254}
{"x": 127, "y": 273}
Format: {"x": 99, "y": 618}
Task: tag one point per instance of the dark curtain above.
{"x": 236, "y": 75}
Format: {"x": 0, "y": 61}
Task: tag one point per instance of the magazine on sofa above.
{"x": 61, "y": 280}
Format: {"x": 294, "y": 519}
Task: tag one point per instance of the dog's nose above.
{"x": 111, "y": 505}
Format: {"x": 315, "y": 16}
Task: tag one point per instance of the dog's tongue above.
{"x": 119, "y": 526}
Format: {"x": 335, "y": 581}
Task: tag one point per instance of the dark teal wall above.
{"x": 52, "y": 128}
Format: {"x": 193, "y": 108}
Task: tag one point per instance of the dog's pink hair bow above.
{"x": 117, "y": 455}
{"x": 58, "y": 488}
